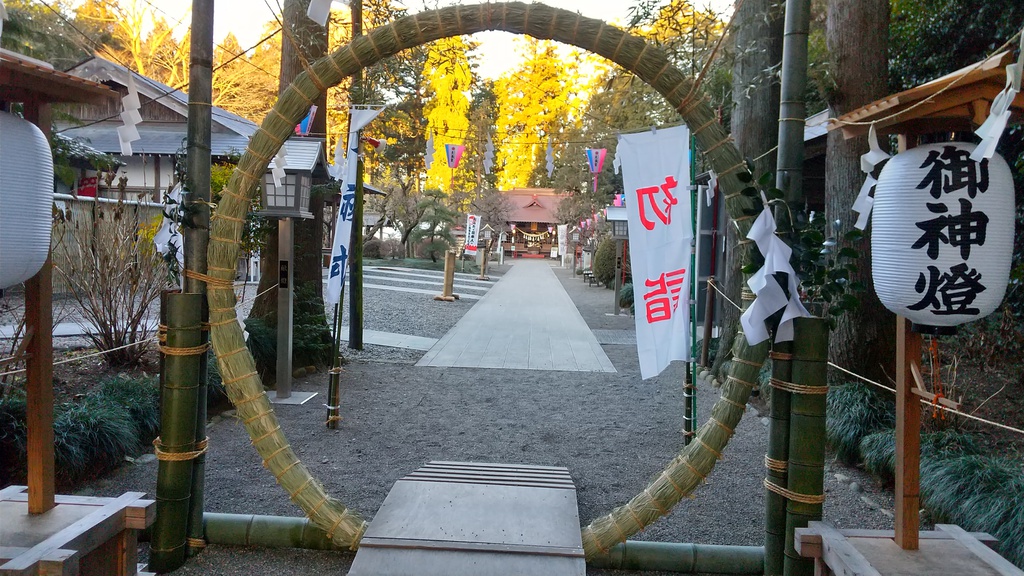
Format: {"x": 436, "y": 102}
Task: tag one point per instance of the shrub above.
{"x": 878, "y": 450}
{"x": 311, "y": 337}
{"x": 392, "y": 248}
{"x": 626, "y": 297}
{"x": 854, "y": 411}
{"x": 139, "y": 398}
{"x": 980, "y": 493}
{"x": 91, "y": 437}
{"x": 13, "y": 438}
{"x": 604, "y": 262}
{"x": 372, "y": 248}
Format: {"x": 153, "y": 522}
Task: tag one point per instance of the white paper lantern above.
{"x": 942, "y": 235}
{"x": 26, "y": 199}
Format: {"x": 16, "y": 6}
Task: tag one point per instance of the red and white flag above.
{"x": 656, "y": 179}
{"x": 472, "y": 234}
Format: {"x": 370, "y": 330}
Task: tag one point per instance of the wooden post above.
{"x": 908, "y": 437}
{"x": 39, "y": 367}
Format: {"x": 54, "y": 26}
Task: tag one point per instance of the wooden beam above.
{"x": 83, "y": 536}
{"x": 39, "y": 367}
{"x": 908, "y": 437}
{"x": 1000, "y": 565}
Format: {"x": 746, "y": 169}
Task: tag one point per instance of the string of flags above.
{"x": 131, "y": 105}
{"x": 454, "y": 154}
{"x": 302, "y": 128}
{"x": 595, "y": 160}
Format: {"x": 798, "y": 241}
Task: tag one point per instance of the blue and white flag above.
{"x": 346, "y": 170}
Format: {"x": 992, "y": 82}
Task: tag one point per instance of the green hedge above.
{"x": 91, "y": 436}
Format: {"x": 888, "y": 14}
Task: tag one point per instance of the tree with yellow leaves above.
{"x": 448, "y": 78}
{"x": 247, "y": 84}
{"x": 535, "y": 102}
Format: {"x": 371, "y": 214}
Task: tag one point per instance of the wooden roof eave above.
{"x": 22, "y": 80}
{"x": 963, "y": 104}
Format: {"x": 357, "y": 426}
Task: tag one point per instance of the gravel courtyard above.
{"x": 613, "y": 432}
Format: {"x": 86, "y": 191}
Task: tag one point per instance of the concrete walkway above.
{"x": 525, "y": 322}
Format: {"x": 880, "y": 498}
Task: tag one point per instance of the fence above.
{"x": 74, "y": 227}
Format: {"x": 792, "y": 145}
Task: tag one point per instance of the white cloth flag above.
{"x": 359, "y": 118}
{"x": 656, "y": 179}
{"x": 999, "y": 113}
{"x": 868, "y": 162}
{"x": 319, "y": 11}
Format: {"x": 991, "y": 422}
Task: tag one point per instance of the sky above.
{"x": 246, "y": 19}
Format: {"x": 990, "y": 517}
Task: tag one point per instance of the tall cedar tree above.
{"x": 857, "y": 34}
{"x": 304, "y": 41}
{"x": 755, "y": 128}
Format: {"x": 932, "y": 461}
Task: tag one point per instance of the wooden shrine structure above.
{"x": 41, "y": 532}
{"x": 958, "y": 102}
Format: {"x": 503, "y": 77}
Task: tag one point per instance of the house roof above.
{"x": 99, "y": 69}
{"x": 305, "y": 154}
{"x": 25, "y": 79}
{"x": 534, "y": 205}
{"x": 165, "y": 139}
{"x": 963, "y": 103}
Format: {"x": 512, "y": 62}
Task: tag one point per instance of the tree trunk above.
{"x": 755, "y": 129}
{"x": 305, "y": 40}
{"x": 857, "y": 33}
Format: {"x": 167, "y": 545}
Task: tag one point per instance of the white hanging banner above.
{"x": 428, "y": 156}
{"x": 868, "y": 162}
{"x": 472, "y": 234}
{"x": 656, "y": 179}
{"x": 168, "y": 238}
{"x": 999, "y": 114}
{"x": 488, "y": 155}
{"x": 549, "y": 158}
{"x": 563, "y": 236}
{"x": 358, "y": 119}
{"x": 769, "y": 296}
{"x": 319, "y": 11}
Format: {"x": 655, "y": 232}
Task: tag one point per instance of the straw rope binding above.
{"x": 776, "y": 465}
{"x": 161, "y": 454}
{"x": 798, "y": 388}
{"x": 794, "y": 496}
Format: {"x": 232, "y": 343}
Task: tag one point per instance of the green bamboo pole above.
{"x": 197, "y": 236}
{"x": 176, "y": 444}
{"x": 778, "y": 454}
{"x": 334, "y": 385}
{"x": 806, "y": 470}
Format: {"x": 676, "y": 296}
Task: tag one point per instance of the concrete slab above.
{"x": 525, "y": 322}
{"x": 459, "y": 284}
{"x": 393, "y": 340}
{"x": 417, "y": 291}
{"x": 405, "y": 272}
{"x": 296, "y": 398}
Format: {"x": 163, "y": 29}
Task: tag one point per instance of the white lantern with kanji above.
{"x": 26, "y": 199}
{"x": 942, "y": 235}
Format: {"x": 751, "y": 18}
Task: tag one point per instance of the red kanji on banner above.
{"x": 645, "y": 197}
{"x": 664, "y": 299}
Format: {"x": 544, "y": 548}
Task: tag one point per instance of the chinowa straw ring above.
{"x": 680, "y": 476}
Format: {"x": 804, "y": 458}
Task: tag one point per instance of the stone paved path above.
{"x": 527, "y": 322}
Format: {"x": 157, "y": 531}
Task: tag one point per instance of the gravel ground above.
{"x": 612, "y": 431}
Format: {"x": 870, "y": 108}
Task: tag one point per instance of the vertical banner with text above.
{"x": 346, "y": 170}
{"x": 472, "y": 234}
{"x": 656, "y": 180}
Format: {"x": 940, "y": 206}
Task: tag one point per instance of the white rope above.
{"x": 925, "y": 401}
{"x": 87, "y": 356}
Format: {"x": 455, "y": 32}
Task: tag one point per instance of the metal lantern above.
{"x": 618, "y": 218}
{"x": 26, "y": 199}
{"x": 942, "y": 235}
{"x": 575, "y": 234}
{"x": 290, "y": 199}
